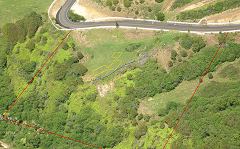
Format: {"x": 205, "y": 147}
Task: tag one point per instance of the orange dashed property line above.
{"x": 193, "y": 94}
{"x": 39, "y": 129}
{"x": 50, "y": 56}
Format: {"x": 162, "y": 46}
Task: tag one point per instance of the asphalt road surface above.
{"x": 63, "y": 20}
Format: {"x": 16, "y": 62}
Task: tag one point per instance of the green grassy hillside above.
{"x": 12, "y": 10}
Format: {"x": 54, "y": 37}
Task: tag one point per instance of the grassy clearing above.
{"x": 15, "y": 9}
{"x": 107, "y": 50}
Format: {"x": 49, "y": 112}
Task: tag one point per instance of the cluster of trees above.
{"x": 26, "y": 27}
{"x": 211, "y": 9}
{"x": 69, "y": 69}
{"x": 152, "y": 79}
{"x": 75, "y": 17}
{"x": 87, "y": 125}
{"x": 194, "y": 42}
{"x": 215, "y": 114}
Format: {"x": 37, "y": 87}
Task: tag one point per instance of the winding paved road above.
{"x": 63, "y": 20}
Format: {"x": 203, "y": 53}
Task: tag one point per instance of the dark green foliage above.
{"x": 210, "y": 76}
{"x": 142, "y": 1}
{"x": 159, "y": 1}
{"x": 152, "y": 79}
{"x": 3, "y": 60}
{"x": 173, "y": 55}
{"x": 89, "y": 128}
{"x": 79, "y": 55}
{"x": 33, "y": 21}
{"x": 194, "y": 42}
{"x": 127, "y": 3}
{"x": 127, "y": 107}
{"x": 186, "y": 41}
{"x": 65, "y": 46}
{"x": 43, "y": 40}
{"x": 198, "y": 44}
{"x": 29, "y": 67}
{"x": 222, "y": 38}
{"x": 27, "y": 26}
{"x": 160, "y": 16}
{"x": 171, "y": 106}
{"x": 212, "y": 9}
{"x": 7, "y": 93}
{"x": 147, "y": 82}
{"x": 69, "y": 69}
{"x": 10, "y": 32}
{"x": 183, "y": 53}
{"x": 170, "y": 64}
{"x": 30, "y": 45}
{"x": 140, "y": 117}
{"x": 132, "y": 47}
{"x": 77, "y": 69}
{"x": 75, "y": 17}
{"x": 140, "y": 131}
{"x": 213, "y": 120}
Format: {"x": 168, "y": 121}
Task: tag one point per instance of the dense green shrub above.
{"x": 132, "y": 47}
{"x": 75, "y": 17}
{"x": 16, "y": 32}
{"x": 183, "y": 53}
{"x": 211, "y": 9}
{"x": 140, "y": 131}
{"x": 198, "y": 44}
{"x": 173, "y": 55}
{"x": 148, "y": 83}
{"x": 160, "y": 16}
{"x": 127, "y": 3}
{"x": 30, "y": 45}
{"x": 218, "y": 105}
{"x": 210, "y": 76}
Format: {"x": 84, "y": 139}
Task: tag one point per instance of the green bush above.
{"x": 140, "y": 131}
{"x": 183, "y": 53}
{"x": 173, "y": 55}
{"x": 132, "y": 47}
{"x": 75, "y": 17}
{"x": 127, "y": 3}
{"x": 30, "y": 45}
{"x": 160, "y": 16}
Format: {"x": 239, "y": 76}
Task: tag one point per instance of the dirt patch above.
{"x": 227, "y": 16}
{"x": 91, "y": 10}
{"x": 103, "y": 89}
{"x": 163, "y": 57}
{"x": 145, "y": 108}
{"x": 196, "y": 5}
{"x": 4, "y": 145}
{"x": 167, "y": 4}
{"x": 80, "y": 38}
{"x": 211, "y": 39}
{"x": 137, "y": 34}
